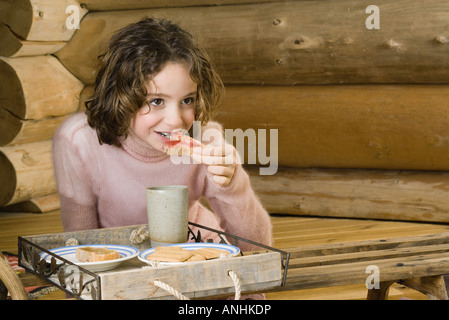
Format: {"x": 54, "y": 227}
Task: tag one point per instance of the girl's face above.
{"x": 172, "y": 98}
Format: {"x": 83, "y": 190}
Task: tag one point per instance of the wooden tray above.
{"x": 133, "y": 279}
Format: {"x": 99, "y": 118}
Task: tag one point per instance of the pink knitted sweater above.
{"x": 104, "y": 186}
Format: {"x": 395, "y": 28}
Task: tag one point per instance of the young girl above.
{"x": 152, "y": 80}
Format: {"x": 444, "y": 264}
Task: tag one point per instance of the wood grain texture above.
{"x": 196, "y": 279}
{"x": 108, "y": 5}
{"x": 11, "y": 46}
{"x": 376, "y": 126}
{"x": 37, "y": 93}
{"x": 376, "y": 194}
{"x": 27, "y": 172}
{"x": 46, "y": 203}
{"x": 300, "y": 42}
{"x": 289, "y": 231}
{"x": 415, "y": 263}
{"x": 38, "y": 20}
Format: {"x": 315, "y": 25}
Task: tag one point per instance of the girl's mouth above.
{"x": 174, "y": 135}
{"x": 165, "y": 135}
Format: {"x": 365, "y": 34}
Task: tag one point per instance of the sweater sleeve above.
{"x": 237, "y": 206}
{"x": 78, "y": 204}
{"x": 239, "y": 210}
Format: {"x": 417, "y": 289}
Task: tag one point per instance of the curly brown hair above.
{"x": 133, "y": 56}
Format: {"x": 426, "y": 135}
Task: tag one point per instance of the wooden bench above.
{"x": 418, "y": 262}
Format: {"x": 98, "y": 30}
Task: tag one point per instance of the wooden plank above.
{"x": 352, "y": 273}
{"x": 346, "y": 263}
{"x": 368, "y": 245}
{"x": 196, "y": 279}
{"x": 117, "y": 235}
{"x": 366, "y": 256}
{"x": 328, "y": 230}
{"x": 310, "y": 231}
{"x": 346, "y": 236}
{"x": 298, "y": 42}
{"x": 372, "y": 194}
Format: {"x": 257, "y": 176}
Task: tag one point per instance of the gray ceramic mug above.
{"x": 168, "y": 213}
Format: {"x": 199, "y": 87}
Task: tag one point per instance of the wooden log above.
{"x": 34, "y": 89}
{"x": 43, "y": 87}
{"x": 303, "y": 42}
{"x": 36, "y": 21}
{"x": 107, "y": 5}
{"x": 372, "y": 194}
{"x": 42, "y": 204}
{"x": 39, "y": 20}
{"x": 16, "y": 131}
{"x": 11, "y": 46}
{"x": 378, "y": 126}
{"x": 26, "y": 171}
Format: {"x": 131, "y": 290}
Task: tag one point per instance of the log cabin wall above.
{"x": 360, "y": 110}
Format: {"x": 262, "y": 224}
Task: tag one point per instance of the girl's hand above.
{"x": 221, "y": 161}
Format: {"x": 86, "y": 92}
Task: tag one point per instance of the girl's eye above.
{"x": 188, "y": 101}
{"x": 157, "y": 102}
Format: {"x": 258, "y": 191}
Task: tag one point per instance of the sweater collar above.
{"x": 141, "y": 150}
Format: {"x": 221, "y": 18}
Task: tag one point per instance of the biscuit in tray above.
{"x": 178, "y": 254}
{"x": 169, "y": 254}
{"x": 210, "y": 253}
{"x": 96, "y": 254}
{"x": 196, "y": 257}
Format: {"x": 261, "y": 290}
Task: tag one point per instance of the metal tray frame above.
{"x": 78, "y": 281}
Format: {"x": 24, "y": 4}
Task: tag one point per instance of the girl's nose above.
{"x": 173, "y": 117}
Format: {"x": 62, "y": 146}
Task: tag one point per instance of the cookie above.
{"x": 210, "y": 253}
{"x": 171, "y": 248}
{"x": 196, "y": 257}
{"x": 169, "y": 254}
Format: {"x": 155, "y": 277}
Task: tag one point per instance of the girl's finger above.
{"x": 221, "y": 180}
{"x": 227, "y": 171}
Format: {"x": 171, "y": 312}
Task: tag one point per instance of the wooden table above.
{"x": 419, "y": 262}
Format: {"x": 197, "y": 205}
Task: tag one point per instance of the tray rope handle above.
{"x": 180, "y": 296}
